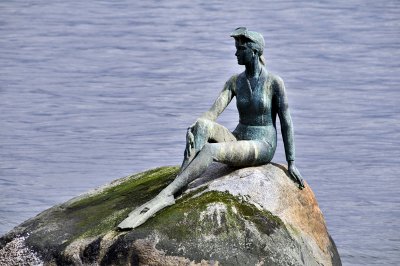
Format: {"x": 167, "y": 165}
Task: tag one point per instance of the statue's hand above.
{"x": 294, "y": 172}
{"x": 189, "y": 142}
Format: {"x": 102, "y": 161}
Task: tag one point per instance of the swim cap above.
{"x": 253, "y": 36}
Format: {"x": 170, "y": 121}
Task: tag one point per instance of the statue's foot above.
{"x": 144, "y": 212}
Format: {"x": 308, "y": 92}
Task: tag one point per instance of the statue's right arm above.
{"x": 222, "y": 101}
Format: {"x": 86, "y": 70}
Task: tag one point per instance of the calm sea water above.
{"x": 95, "y": 90}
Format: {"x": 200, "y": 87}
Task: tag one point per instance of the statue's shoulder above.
{"x": 275, "y": 78}
{"x": 276, "y": 82}
{"x": 233, "y": 78}
{"x": 231, "y": 83}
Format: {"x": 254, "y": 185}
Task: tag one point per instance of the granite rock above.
{"x": 248, "y": 216}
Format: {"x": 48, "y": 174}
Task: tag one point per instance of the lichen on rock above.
{"x": 249, "y": 216}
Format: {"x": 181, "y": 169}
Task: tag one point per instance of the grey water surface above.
{"x": 91, "y": 91}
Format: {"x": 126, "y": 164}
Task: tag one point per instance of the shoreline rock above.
{"x": 248, "y": 216}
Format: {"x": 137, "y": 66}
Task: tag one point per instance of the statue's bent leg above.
{"x": 237, "y": 153}
{"x": 202, "y": 132}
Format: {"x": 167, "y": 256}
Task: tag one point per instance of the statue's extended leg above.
{"x": 238, "y": 153}
{"x": 141, "y": 214}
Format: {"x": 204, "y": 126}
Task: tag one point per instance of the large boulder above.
{"x": 248, "y": 216}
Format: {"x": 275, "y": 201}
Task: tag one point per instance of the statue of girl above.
{"x": 260, "y": 97}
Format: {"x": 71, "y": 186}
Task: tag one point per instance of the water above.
{"x": 95, "y": 90}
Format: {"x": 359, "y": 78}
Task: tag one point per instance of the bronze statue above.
{"x": 260, "y": 97}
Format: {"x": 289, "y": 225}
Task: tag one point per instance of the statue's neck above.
{"x": 253, "y": 69}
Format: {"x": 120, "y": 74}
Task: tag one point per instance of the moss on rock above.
{"x": 215, "y": 225}
{"x": 101, "y": 212}
{"x": 189, "y": 209}
{"x": 205, "y": 226}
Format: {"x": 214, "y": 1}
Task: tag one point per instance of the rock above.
{"x": 249, "y": 216}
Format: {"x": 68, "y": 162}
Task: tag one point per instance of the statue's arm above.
{"x": 224, "y": 98}
{"x": 222, "y": 101}
{"x": 285, "y": 119}
{"x": 287, "y": 129}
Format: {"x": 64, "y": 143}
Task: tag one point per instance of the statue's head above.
{"x": 248, "y": 44}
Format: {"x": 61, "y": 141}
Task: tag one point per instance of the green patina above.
{"x": 183, "y": 221}
{"x": 101, "y": 212}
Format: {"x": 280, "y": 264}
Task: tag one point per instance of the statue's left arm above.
{"x": 287, "y": 129}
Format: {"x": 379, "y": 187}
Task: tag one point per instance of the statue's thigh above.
{"x": 221, "y": 134}
{"x": 242, "y": 153}
{"x": 206, "y": 130}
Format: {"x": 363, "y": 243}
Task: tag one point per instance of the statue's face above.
{"x": 243, "y": 53}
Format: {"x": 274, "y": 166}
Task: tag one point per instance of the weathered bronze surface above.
{"x": 260, "y": 97}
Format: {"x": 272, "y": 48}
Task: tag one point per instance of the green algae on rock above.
{"x": 221, "y": 219}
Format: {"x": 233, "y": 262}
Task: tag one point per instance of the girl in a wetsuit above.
{"x": 260, "y": 97}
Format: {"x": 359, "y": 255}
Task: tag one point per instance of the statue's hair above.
{"x": 258, "y": 49}
{"x": 262, "y": 60}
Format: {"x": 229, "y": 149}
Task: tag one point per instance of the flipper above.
{"x": 141, "y": 214}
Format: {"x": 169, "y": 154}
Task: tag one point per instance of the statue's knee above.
{"x": 202, "y": 123}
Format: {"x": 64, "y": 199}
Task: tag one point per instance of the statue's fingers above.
{"x": 187, "y": 150}
{"x": 189, "y": 144}
{"x": 299, "y": 180}
{"x": 297, "y": 177}
{"x": 191, "y": 139}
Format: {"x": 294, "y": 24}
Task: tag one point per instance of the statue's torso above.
{"x": 257, "y": 114}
